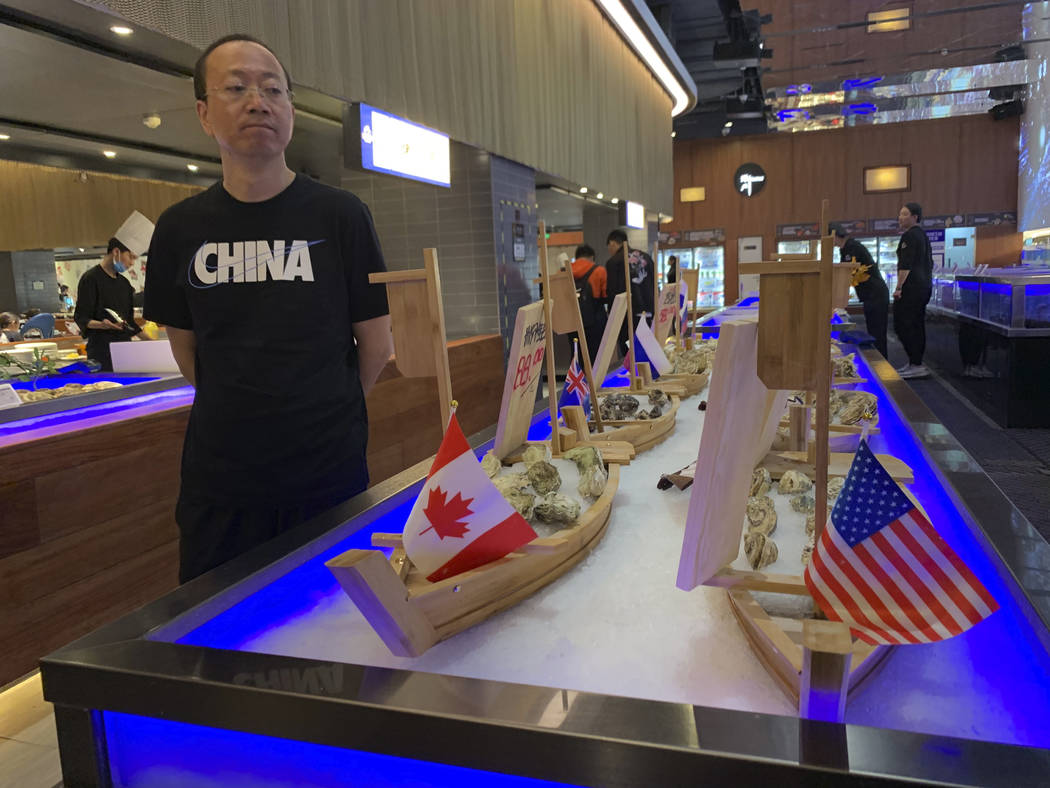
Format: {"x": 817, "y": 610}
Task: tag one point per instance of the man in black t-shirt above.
{"x": 278, "y": 429}
{"x": 100, "y": 289}
{"x": 914, "y": 287}
{"x": 617, "y": 282}
{"x": 868, "y": 283}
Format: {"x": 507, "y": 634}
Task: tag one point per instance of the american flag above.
{"x": 880, "y": 566}
{"x": 575, "y": 390}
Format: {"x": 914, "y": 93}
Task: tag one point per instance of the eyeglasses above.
{"x": 271, "y": 94}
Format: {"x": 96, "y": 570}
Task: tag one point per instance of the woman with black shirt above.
{"x": 914, "y": 286}
{"x": 868, "y": 282}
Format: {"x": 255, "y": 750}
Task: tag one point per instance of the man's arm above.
{"x": 375, "y": 346}
{"x": 902, "y": 274}
{"x": 184, "y": 348}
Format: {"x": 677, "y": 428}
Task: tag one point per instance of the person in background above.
{"x": 592, "y": 290}
{"x": 65, "y": 300}
{"x": 9, "y": 327}
{"x": 868, "y": 283}
{"x": 672, "y": 269}
{"x": 278, "y": 430}
{"x": 914, "y": 287}
{"x": 102, "y": 288}
{"x": 617, "y": 282}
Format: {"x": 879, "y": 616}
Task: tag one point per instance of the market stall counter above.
{"x": 264, "y": 671}
{"x": 88, "y": 484}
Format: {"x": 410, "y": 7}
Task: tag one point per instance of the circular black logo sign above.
{"x": 749, "y": 179}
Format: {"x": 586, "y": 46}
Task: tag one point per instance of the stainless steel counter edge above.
{"x": 592, "y": 739}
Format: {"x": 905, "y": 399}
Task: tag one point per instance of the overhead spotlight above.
{"x": 81, "y": 248}
{"x": 151, "y": 120}
{"x": 599, "y": 195}
{"x": 615, "y": 200}
{"x": 192, "y": 167}
{"x": 5, "y": 136}
{"x": 121, "y": 30}
{"x": 728, "y": 124}
{"x": 583, "y": 190}
{"x": 674, "y": 134}
{"x": 109, "y": 154}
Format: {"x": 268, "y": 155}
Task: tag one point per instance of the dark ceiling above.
{"x": 823, "y": 42}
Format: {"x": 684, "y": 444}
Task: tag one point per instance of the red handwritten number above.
{"x": 523, "y": 375}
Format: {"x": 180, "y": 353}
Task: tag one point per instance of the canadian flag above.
{"x": 460, "y": 521}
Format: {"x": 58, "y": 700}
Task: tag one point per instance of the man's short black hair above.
{"x": 915, "y": 210}
{"x": 115, "y": 244}
{"x": 837, "y": 229}
{"x": 617, "y": 235}
{"x": 583, "y": 250}
{"x": 672, "y": 259}
{"x": 200, "y": 82}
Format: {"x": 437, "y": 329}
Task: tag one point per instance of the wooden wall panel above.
{"x": 47, "y": 207}
{"x": 87, "y": 526}
{"x": 959, "y": 165}
{"x": 546, "y": 83}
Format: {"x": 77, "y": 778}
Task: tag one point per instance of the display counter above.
{"x": 88, "y": 485}
{"x": 998, "y": 322}
{"x": 264, "y": 672}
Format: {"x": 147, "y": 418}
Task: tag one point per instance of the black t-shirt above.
{"x": 915, "y": 256}
{"x": 97, "y": 291}
{"x": 270, "y": 290}
{"x": 872, "y": 288}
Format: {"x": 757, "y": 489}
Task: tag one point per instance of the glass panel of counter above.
{"x": 1012, "y": 299}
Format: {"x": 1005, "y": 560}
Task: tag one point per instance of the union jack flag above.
{"x": 575, "y": 390}
{"x": 882, "y": 568}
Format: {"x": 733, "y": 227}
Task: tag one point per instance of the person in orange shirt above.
{"x": 592, "y": 282}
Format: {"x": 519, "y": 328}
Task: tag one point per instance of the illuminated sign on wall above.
{"x": 399, "y": 147}
{"x": 635, "y": 215}
{"x": 749, "y": 179}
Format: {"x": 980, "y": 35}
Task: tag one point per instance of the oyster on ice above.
{"x": 761, "y": 515}
{"x": 543, "y": 477}
{"x": 511, "y": 481}
{"x": 593, "y": 476}
{"x": 807, "y": 553}
{"x": 657, "y": 398}
{"x": 811, "y": 525}
{"x": 535, "y": 452}
{"x": 861, "y": 406}
{"x": 835, "y": 485}
{"x": 843, "y": 366}
{"x": 760, "y": 550}
{"x": 522, "y": 500}
{"x": 793, "y": 482}
{"x": 806, "y": 502}
{"x": 761, "y": 482}
{"x": 491, "y": 465}
{"x": 557, "y": 508}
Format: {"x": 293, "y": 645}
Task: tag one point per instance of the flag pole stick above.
{"x": 632, "y": 369}
{"x": 551, "y": 382}
{"x": 820, "y": 456}
{"x": 587, "y": 371}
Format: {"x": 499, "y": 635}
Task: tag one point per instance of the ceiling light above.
{"x": 599, "y": 195}
{"x": 109, "y": 154}
{"x": 151, "y": 120}
{"x": 583, "y": 190}
{"x": 729, "y": 124}
{"x": 81, "y": 248}
{"x": 638, "y": 40}
{"x": 615, "y": 200}
{"x": 5, "y": 136}
{"x": 121, "y": 30}
{"x": 192, "y": 167}
{"x": 674, "y": 134}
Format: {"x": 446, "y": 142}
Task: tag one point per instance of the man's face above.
{"x": 612, "y": 246}
{"x": 906, "y": 218}
{"x": 248, "y": 125}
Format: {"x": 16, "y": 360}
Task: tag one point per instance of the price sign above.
{"x": 524, "y": 369}
{"x": 665, "y": 311}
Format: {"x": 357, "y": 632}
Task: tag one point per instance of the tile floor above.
{"x": 28, "y": 746}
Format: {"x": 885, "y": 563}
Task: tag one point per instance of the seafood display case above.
{"x": 246, "y": 675}
{"x": 998, "y": 322}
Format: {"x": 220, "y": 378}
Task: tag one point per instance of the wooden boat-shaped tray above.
{"x": 642, "y": 434}
{"x": 410, "y": 614}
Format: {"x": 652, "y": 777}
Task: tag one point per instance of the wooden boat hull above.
{"x": 411, "y": 614}
{"x": 643, "y": 435}
{"x": 691, "y": 384}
